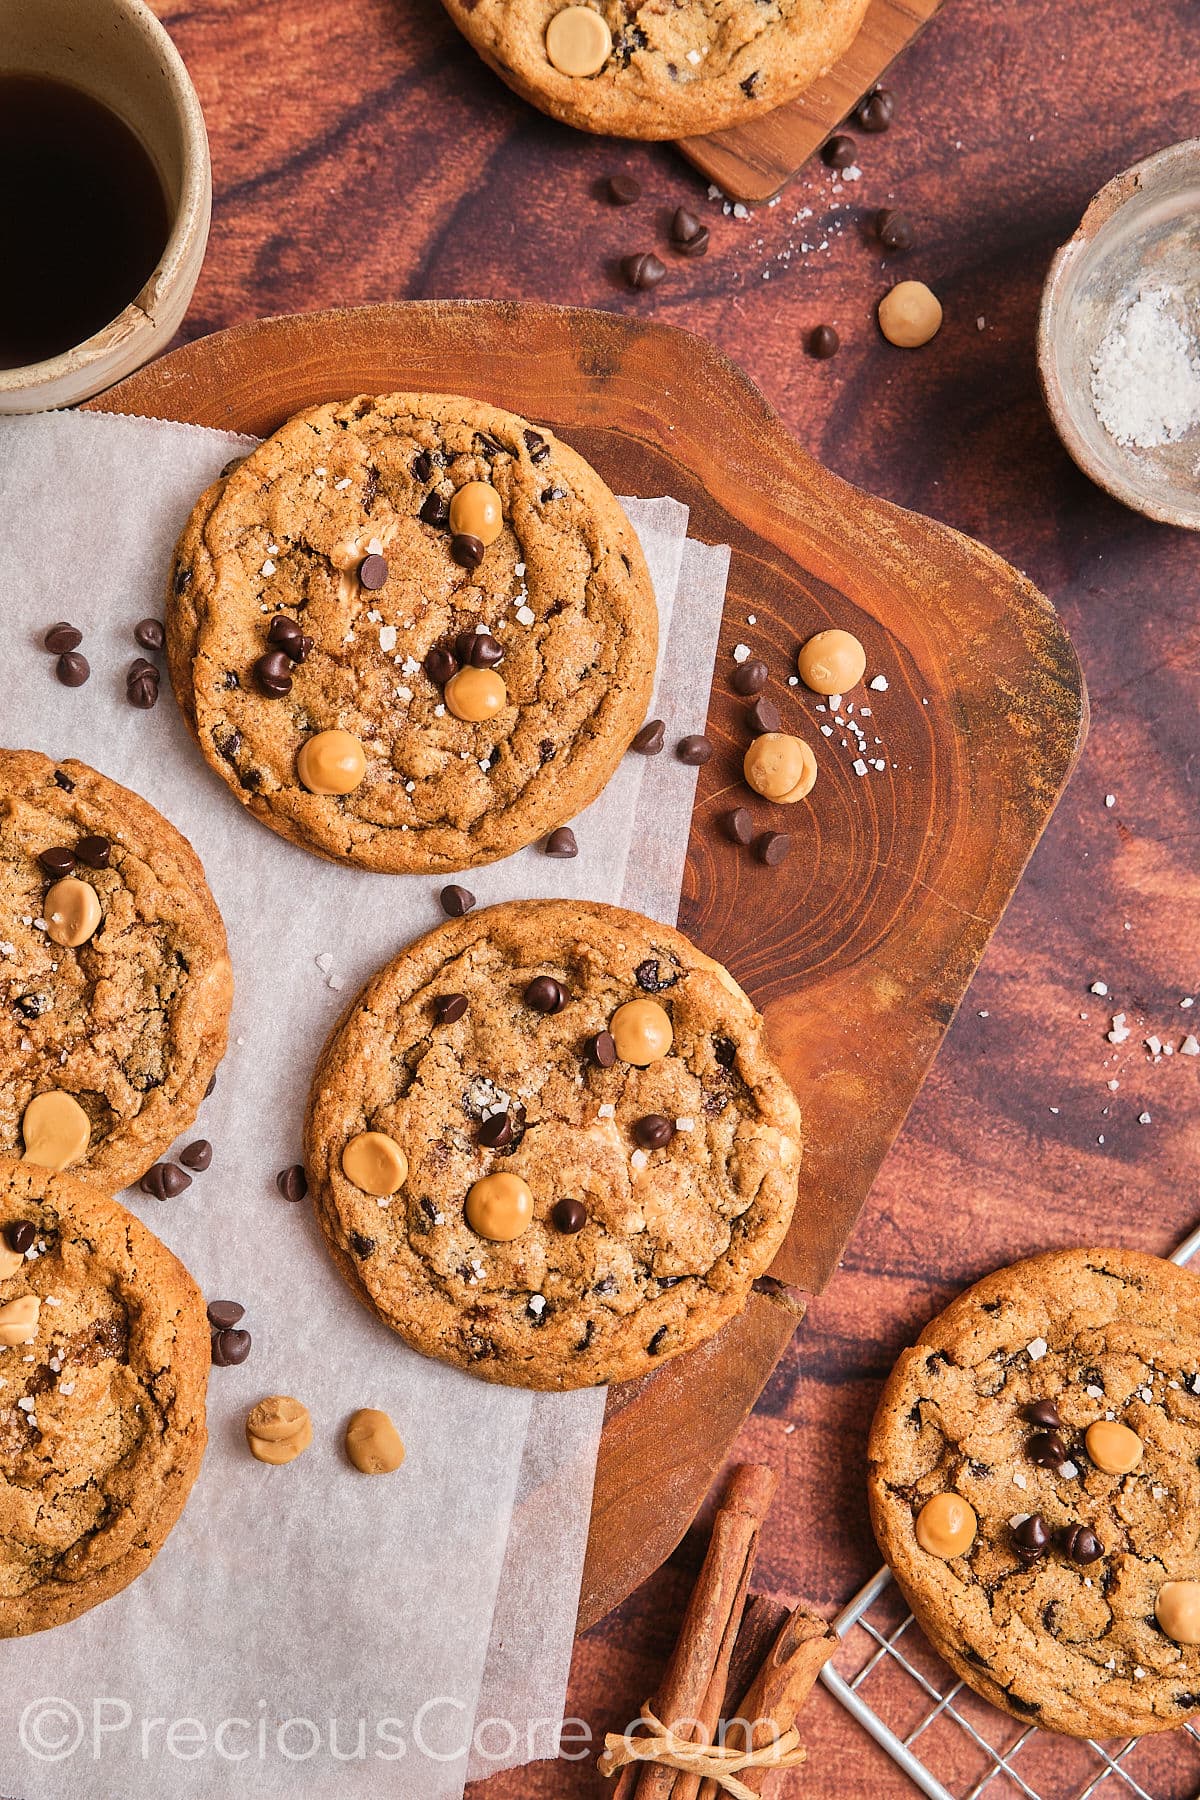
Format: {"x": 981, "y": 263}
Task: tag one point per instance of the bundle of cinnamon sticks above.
{"x": 723, "y": 1720}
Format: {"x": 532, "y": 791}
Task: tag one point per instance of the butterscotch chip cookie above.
{"x": 600, "y": 1156}
{"x": 1034, "y": 1487}
{"x": 411, "y": 633}
{"x": 102, "y": 1404}
{"x": 642, "y": 69}
{"x": 115, "y": 983}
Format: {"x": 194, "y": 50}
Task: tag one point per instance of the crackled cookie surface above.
{"x": 411, "y": 633}
{"x": 115, "y": 983}
{"x": 640, "y": 68}
{"x": 104, "y": 1357}
{"x": 1034, "y": 1486}
{"x": 548, "y": 1143}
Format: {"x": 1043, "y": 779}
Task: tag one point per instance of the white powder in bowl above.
{"x": 1146, "y": 373}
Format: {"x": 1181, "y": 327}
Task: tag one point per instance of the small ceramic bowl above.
{"x": 1143, "y": 228}
{"x": 117, "y": 51}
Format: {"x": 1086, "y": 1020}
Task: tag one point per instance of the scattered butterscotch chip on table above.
{"x": 278, "y": 1429}
{"x": 910, "y": 314}
{"x": 372, "y": 1442}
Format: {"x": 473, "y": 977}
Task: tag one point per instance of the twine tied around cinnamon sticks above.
{"x": 753, "y": 1665}
{"x": 718, "y": 1762}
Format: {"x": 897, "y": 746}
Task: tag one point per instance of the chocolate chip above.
{"x": 197, "y": 1156}
{"x": 94, "y": 851}
{"x": 496, "y": 1132}
{"x": 874, "y": 111}
{"x": 643, "y": 270}
{"x": 561, "y": 843}
{"x": 362, "y": 1246}
{"x": 151, "y": 634}
{"x": 894, "y": 230}
{"x": 292, "y": 1183}
{"x": 63, "y": 780}
{"x": 435, "y": 511}
{"x": 650, "y": 739}
{"x": 422, "y": 467}
{"x": 823, "y": 342}
{"x": 773, "y": 847}
{"x": 654, "y": 1132}
{"x": 1046, "y": 1449}
{"x": 212, "y": 1086}
{"x": 456, "y": 900}
{"x": 449, "y": 1007}
{"x": 485, "y": 652}
{"x": 287, "y": 636}
{"x": 694, "y": 750}
{"x": 725, "y": 1051}
{"x": 165, "y": 1181}
{"x": 545, "y": 995}
{"x": 273, "y": 673}
{"x": 183, "y": 577}
{"x": 624, "y": 190}
{"x": 656, "y": 1342}
{"x": 569, "y": 1216}
{"x": 440, "y": 666}
{"x": 141, "y": 684}
{"x": 1044, "y": 1413}
{"x": 688, "y": 235}
{"x": 1081, "y": 1545}
{"x": 373, "y": 572}
{"x": 57, "y": 861}
{"x": 19, "y": 1236}
{"x": 650, "y": 977}
{"x": 602, "y": 1049}
{"x": 467, "y": 551}
{"x": 537, "y": 446}
{"x": 838, "y": 152}
{"x": 763, "y": 716}
{"x": 738, "y": 825}
{"x": 749, "y": 677}
{"x": 72, "y": 669}
{"x": 225, "y": 1313}
{"x": 1030, "y": 1538}
{"x": 62, "y": 637}
{"x": 229, "y": 1348}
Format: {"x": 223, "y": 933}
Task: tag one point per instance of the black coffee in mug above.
{"x": 83, "y": 217}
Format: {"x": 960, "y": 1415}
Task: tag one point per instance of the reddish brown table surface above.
{"x": 361, "y": 153}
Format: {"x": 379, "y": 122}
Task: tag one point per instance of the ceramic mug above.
{"x": 117, "y": 51}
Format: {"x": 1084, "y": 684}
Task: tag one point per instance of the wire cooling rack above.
{"x": 955, "y": 1746}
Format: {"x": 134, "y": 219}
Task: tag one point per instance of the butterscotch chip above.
{"x": 1177, "y": 1609}
{"x": 832, "y": 662}
{"x": 72, "y": 912}
{"x": 1087, "y": 1527}
{"x": 103, "y": 1398}
{"x": 112, "y": 1034}
{"x": 373, "y": 1443}
{"x": 578, "y": 41}
{"x": 10, "y": 1261}
{"x": 910, "y": 314}
{"x": 780, "y": 767}
{"x": 278, "y": 1429}
{"x": 603, "y": 1157}
{"x": 455, "y": 772}
{"x": 946, "y": 1526}
{"x": 375, "y": 1163}
{"x": 55, "y": 1130}
{"x": 476, "y": 694}
{"x": 332, "y": 762}
{"x": 477, "y": 510}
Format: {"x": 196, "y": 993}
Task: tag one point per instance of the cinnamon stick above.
{"x": 774, "y": 1697}
{"x": 698, "y": 1670}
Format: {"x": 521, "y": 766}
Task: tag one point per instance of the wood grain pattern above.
{"x": 754, "y": 160}
{"x": 362, "y": 153}
{"x": 869, "y": 936}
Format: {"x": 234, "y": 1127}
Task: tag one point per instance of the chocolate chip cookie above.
{"x": 115, "y": 984}
{"x": 1034, "y": 1487}
{"x": 411, "y": 633}
{"x": 548, "y": 1143}
{"x": 640, "y": 69}
{"x": 104, "y": 1361}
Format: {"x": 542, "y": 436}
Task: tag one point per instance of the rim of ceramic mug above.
{"x": 191, "y": 214}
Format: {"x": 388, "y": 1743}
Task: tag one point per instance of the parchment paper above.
{"x": 305, "y": 1630}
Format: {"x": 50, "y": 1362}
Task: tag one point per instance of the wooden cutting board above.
{"x": 859, "y": 948}
{"x": 753, "y": 161}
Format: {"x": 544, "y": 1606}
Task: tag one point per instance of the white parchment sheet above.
{"x": 306, "y": 1630}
